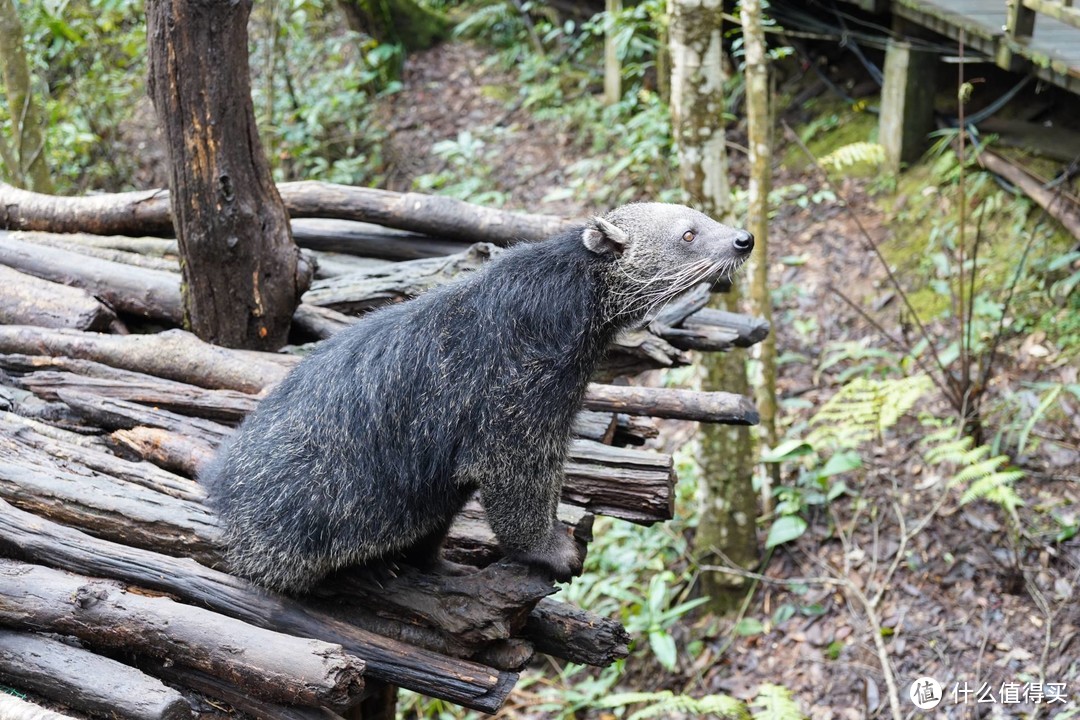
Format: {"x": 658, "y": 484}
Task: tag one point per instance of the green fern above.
{"x": 983, "y": 477}
{"x": 666, "y": 703}
{"x": 775, "y": 703}
{"x": 860, "y": 153}
{"x": 863, "y": 409}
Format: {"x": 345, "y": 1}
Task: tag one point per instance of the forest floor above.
{"x": 895, "y": 574}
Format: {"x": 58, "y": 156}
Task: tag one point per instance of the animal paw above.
{"x": 559, "y": 555}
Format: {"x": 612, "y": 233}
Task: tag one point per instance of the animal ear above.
{"x": 600, "y": 236}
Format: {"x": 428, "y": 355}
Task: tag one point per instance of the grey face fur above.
{"x": 662, "y": 250}
{"x": 369, "y": 448}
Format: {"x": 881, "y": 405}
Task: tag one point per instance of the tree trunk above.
{"x": 25, "y": 156}
{"x": 727, "y": 498}
{"x": 401, "y": 22}
{"x": 759, "y": 131}
{"x": 242, "y": 275}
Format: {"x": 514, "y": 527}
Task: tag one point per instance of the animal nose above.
{"x": 744, "y": 241}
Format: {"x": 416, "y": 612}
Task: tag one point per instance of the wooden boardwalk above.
{"x": 1041, "y": 35}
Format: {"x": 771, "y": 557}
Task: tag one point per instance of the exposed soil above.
{"x": 897, "y": 573}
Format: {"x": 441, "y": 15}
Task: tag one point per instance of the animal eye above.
{"x": 689, "y": 236}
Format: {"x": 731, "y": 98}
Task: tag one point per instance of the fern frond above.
{"x": 776, "y": 703}
{"x": 864, "y": 409}
{"x": 859, "y": 153}
{"x": 983, "y": 476}
{"x": 666, "y": 703}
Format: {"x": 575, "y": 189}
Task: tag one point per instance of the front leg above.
{"x": 521, "y": 496}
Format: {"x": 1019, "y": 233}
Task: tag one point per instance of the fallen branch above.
{"x": 1057, "y": 205}
{"x": 28, "y": 300}
{"x": 270, "y": 665}
{"x": 147, "y": 213}
{"x": 714, "y": 407}
{"x": 84, "y": 681}
{"x": 42, "y": 541}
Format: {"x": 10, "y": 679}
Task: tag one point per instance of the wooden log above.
{"x": 13, "y": 708}
{"x": 568, "y": 632}
{"x": 363, "y": 291}
{"x": 225, "y": 406}
{"x": 64, "y": 449}
{"x": 81, "y": 680}
{"x": 239, "y": 700}
{"x": 85, "y": 245}
{"x": 139, "y": 291}
{"x": 173, "y": 354}
{"x": 39, "y": 540}
{"x": 372, "y": 241}
{"x": 714, "y": 407}
{"x": 112, "y": 414}
{"x": 319, "y": 323}
{"x": 475, "y": 616}
{"x": 29, "y": 300}
{"x": 596, "y": 426}
{"x": 270, "y": 665}
{"x": 122, "y": 511}
{"x": 147, "y": 213}
{"x": 165, "y": 449}
{"x": 633, "y": 430}
{"x": 633, "y": 485}
{"x": 147, "y": 247}
{"x": 1058, "y": 206}
{"x": 331, "y": 264}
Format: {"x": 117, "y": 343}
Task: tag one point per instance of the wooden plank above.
{"x": 1056, "y": 10}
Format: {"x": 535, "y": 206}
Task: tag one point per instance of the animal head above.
{"x": 667, "y": 249}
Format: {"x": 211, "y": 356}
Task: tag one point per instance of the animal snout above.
{"x": 743, "y": 242}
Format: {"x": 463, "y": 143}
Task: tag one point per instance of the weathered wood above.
{"x": 91, "y": 245}
{"x": 165, "y": 449}
{"x": 226, "y": 406}
{"x": 112, "y": 414}
{"x": 52, "y": 446}
{"x": 1061, "y": 208}
{"x": 13, "y": 708}
{"x": 147, "y": 213}
{"x": 139, "y": 291}
{"x": 84, "y": 681}
{"x": 268, "y": 664}
{"x": 103, "y": 505}
{"x": 243, "y": 274}
{"x": 39, "y": 540}
{"x": 173, "y": 354}
{"x": 633, "y": 485}
{"x": 29, "y": 300}
{"x": 568, "y": 632}
{"x": 320, "y": 323}
{"x": 597, "y": 426}
{"x": 369, "y": 289}
{"x": 372, "y": 241}
{"x": 714, "y": 407}
{"x": 217, "y": 688}
{"x": 907, "y": 103}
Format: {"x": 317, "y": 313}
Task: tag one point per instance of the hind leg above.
{"x": 426, "y": 554}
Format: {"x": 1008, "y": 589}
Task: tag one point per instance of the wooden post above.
{"x": 612, "y": 68}
{"x": 907, "y": 102}
{"x": 1019, "y": 27}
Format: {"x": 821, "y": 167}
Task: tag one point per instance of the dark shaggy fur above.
{"x": 368, "y": 449}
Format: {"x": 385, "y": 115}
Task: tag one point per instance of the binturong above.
{"x": 368, "y": 449}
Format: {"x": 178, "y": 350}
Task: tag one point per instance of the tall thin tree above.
{"x": 24, "y": 155}
{"x": 759, "y": 131}
{"x": 727, "y": 500}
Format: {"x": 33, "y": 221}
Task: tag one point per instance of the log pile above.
{"x": 114, "y": 597}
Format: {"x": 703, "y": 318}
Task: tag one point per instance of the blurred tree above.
{"x": 728, "y": 504}
{"x": 24, "y": 155}
{"x": 242, "y": 275}
{"x": 759, "y": 131}
{"x": 402, "y": 22}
